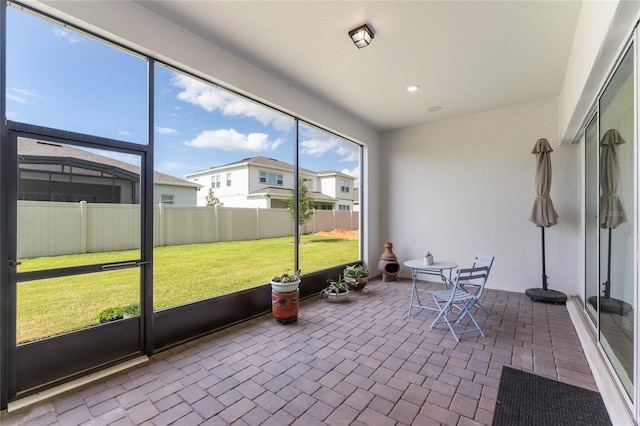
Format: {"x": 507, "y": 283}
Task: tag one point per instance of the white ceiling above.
{"x": 466, "y": 56}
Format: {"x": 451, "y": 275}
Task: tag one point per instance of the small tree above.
{"x": 212, "y": 201}
{"x": 305, "y": 208}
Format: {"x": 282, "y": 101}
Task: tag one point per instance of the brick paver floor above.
{"x": 364, "y": 362}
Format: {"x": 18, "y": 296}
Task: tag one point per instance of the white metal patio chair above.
{"x": 455, "y": 303}
{"x": 477, "y": 287}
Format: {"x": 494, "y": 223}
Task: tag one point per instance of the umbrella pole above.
{"x": 607, "y": 303}
{"x": 544, "y": 294}
{"x": 544, "y": 269}
{"x": 607, "y": 284}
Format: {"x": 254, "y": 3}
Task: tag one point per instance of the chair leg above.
{"x": 475, "y": 323}
{"x": 445, "y": 319}
{"x": 465, "y": 309}
{"x": 442, "y": 311}
{"x": 482, "y": 308}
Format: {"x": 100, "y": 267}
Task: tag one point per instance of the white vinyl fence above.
{"x": 54, "y": 228}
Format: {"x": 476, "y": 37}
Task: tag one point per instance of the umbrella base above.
{"x": 542, "y": 295}
{"x": 612, "y": 306}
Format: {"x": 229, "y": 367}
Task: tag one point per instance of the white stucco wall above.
{"x": 466, "y": 185}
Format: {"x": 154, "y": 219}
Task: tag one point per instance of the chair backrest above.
{"x": 481, "y": 260}
{"x": 475, "y": 276}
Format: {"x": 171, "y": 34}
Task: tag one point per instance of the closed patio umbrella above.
{"x": 543, "y": 215}
{"x": 611, "y": 210}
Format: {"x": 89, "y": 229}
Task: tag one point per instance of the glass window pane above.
{"x": 330, "y": 175}
{"x": 76, "y": 206}
{"x": 617, "y": 218}
{"x": 54, "y": 306}
{"x": 592, "y": 187}
{"x": 230, "y": 162}
{"x": 60, "y": 78}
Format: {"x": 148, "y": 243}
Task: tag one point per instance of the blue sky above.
{"x": 62, "y": 79}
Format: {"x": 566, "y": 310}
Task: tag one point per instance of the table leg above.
{"x": 414, "y": 290}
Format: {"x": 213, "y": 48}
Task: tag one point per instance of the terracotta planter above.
{"x": 285, "y": 301}
{"x": 284, "y": 306}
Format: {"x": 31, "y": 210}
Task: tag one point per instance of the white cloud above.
{"x": 124, "y": 132}
{"x": 231, "y": 140}
{"x": 355, "y": 172}
{"x": 70, "y": 37}
{"x": 166, "y": 131}
{"x": 348, "y": 152}
{"x": 21, "y": 95}
{"x": 211, "y": 98}
{"x": 317, "y": 147}
{"x": 25, "y": 92}
{"x": 16, "y": 98}
{"x": 319, "y": 144}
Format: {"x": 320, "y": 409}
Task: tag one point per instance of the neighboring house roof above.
{"x": 48, "y": 152}
{"x": 255, "y": 161}
{"x": 334, "y": 173}
{"x": 285, "y": 193}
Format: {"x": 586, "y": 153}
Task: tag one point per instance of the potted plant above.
{"x": 286, "y": 282}
{"x": 285, "y": 297}
{"x": 356, "y": 276}
{"x": 130, "y": 311}
{"x": 110, "y": 314}
{"x": 428, "y": 258}
{"x": 336, "y": 291}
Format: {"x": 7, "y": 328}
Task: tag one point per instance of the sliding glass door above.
{"x": 617, "y": 235}
{"x": 610, "y": 219}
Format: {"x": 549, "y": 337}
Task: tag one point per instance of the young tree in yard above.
{"x": 212, "y": 201}
{"x": 305, "y": 208}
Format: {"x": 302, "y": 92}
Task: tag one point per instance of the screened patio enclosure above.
{"x": 81, "y": 172}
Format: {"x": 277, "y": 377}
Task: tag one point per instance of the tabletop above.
{"x": 437, "y": 266}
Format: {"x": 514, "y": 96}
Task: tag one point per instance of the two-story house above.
{"x": 268, "y": 183}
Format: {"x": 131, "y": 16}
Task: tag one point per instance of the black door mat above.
{"x": 529, "y": 399}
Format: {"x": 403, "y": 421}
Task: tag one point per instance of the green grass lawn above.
{"x": 181, "y": 274}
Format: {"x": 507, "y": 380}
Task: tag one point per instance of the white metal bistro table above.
{"x": 419, "y": 267}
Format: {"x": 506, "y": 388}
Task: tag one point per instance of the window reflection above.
{"x": 617, "y": 201}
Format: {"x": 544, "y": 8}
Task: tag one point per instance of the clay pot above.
{"x": 285, "y": 306}
{"x": 388, "y": 264}
{"x": 355, "y": 283}
{"x": 285, "y": 300}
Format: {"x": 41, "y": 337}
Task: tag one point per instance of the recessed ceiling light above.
{"x": 435, "y": 108}
{"x": 413, "y": 88}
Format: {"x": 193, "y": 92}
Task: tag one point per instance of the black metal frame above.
{"x": 50, "y": 361}
{"x": 5, "y": 306}
{"x": 22, "y": 370}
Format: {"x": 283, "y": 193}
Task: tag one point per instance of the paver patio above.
{"x": 362, "y": 363}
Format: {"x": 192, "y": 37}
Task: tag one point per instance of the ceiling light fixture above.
{"x": 361, "y": 36}
{"x": 413, "y": 88}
